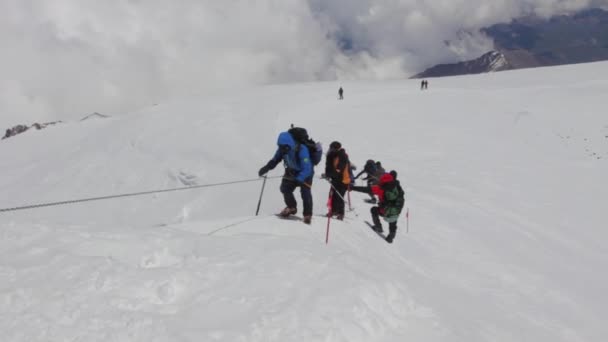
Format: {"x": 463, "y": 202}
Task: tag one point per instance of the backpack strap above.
{"x": 297, "y": 153}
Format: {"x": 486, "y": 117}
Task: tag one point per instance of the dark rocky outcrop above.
{"x": 95, "y": 116}
{"x": 11, "y": 132}
{"x": 491, "y": 61}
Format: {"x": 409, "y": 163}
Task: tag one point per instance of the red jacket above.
{"x": 377, "y": 189}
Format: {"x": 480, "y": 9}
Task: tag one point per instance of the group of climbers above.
{"x": 300, "y": 154}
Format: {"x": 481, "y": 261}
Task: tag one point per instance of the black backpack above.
{"x": 300, "y": 135}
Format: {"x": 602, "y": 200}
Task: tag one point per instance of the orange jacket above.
{"x": 338, "y": 166}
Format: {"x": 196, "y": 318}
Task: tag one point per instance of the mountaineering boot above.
{"x": 390, "y": 238}
{"x": 307, "y": 219}
{"x": 340, "y": 217}
{"x": 378, "y": 228}
{"x": 288, "y": 211}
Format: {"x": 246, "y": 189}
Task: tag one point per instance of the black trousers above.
{"x": 392, "y": 227}
{"x": 288, "y": 186}
{"x": 371, "y": 182}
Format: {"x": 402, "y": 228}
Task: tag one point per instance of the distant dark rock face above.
{"x": 11, "y": 132}
{"x": 491, "y": 61}
{"x": 564, "y": 39}
{"x": 532, "y": 42}
{"x": 95, "y": 116}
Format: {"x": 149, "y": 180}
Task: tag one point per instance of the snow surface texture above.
{"x": 505, "y": 177}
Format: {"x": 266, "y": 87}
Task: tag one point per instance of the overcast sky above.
{"x": 62, "y": 59}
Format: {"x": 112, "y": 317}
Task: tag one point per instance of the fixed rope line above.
{"x": 232, "y": 225}
{"x": 90, "y": 199}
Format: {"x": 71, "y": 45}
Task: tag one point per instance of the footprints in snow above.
{"x": 153, "y": 280}
{"x": 160, "y": 259}
{"x": 161, "y": 291}
{"x": 590, "y": 151}
{"x": 184, "y": 178}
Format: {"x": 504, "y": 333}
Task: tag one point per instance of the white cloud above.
{"x": 66, "y": 58}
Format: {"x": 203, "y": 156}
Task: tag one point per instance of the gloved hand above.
{"x": 264, "y": 170}
{"x": 323, "y": 176}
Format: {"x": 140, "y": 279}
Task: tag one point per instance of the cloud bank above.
{"x": 62, "y": 59}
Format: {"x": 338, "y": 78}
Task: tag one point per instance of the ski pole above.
{"x": 336, "y": 190}
{"x": 350, "y": 208}
{"x": 329, "y": 210}
{"x": 342, "y": 197}
{"x": 257, "y": 211}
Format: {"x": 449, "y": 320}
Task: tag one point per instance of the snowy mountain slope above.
{"x": 505, "y": 180}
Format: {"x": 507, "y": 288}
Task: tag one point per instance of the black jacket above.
{"x": 336, "y": 163}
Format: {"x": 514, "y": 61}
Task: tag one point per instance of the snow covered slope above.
{"x": 505, "y": 177}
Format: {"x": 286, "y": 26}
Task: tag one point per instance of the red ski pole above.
{"x": 329, "y": 210}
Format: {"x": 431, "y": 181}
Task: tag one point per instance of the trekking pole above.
{"x": 338, "y": 193}
{"x": 257, "y": 211}
{"x": 329, "y": 210}
{"x": 336, "y": 190}
{"x": 350, "y": 207}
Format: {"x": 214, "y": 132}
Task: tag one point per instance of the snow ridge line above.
{"x": 99, "y": 198}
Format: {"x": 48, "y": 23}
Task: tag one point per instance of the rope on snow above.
{"x": 99, "y": 198}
